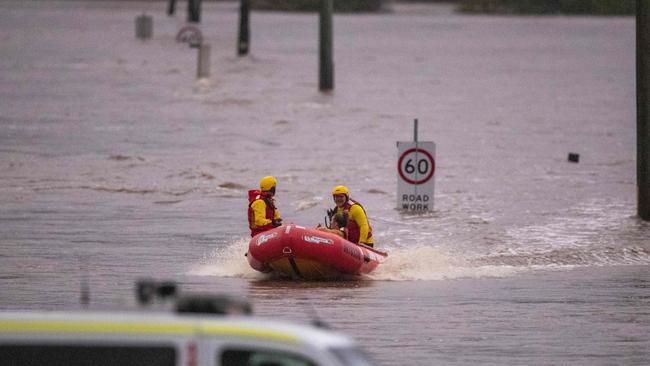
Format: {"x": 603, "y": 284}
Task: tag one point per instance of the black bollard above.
{"x": 194, "y": 11}
{"x": 244, "y": 31}
{"x": 326, "y": 64}
{"x": 143, "y": 27}
{"x": 643, "y": 108}
{"x": 171, "y": 7}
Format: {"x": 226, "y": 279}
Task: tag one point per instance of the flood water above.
{"x": 116, "y": 163}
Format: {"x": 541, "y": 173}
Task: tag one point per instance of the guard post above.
{"x": 326, "y": 62}
{"x": 143, "y": 27}
{"x": 193, "y": 11}
{"x": 643, "y": 108}
{"x": 416, "y": 166}
{"x": 171, "y": 7}
{"x": 244, "y": 29}
{"x": 203, "y": 61}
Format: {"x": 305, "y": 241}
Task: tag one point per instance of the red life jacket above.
{"x": 353, "y": 229}
{"x": 254, "y": 195}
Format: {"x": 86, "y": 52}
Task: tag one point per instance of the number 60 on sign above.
{"x": 416, "y": 166}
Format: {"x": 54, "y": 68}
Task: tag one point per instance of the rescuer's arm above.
{"x": 259, "y": 209}
{"x": 357, "y": 214}
{"x": 277, "y": 220}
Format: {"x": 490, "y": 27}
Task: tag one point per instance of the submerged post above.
{"x": 84, "y": 297}
{"x": 326, "y": 64}
{"x": 193, "y": 11}
{"x": 203, "y": 66}
{"x": 415, "y": 130}
{"x": 244, "y": 31}
{"x": 143, "y": 27}
{"x": 643, "y": 108}
{"x": 171, "y": 7}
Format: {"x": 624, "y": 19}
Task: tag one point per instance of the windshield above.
{"x": 352, "y": 356}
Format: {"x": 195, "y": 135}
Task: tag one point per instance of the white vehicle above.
{"x": 167, "y": 339}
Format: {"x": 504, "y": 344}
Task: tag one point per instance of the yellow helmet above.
{"x": 341, "y": 190}
{"x": 267, "y": 183}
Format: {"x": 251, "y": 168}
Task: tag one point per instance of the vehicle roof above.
{"x": 153, "y": 323}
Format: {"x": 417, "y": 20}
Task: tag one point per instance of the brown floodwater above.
{"x": 117, "y": 164}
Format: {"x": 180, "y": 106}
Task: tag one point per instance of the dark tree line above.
{"x": 596, "y": 7}
{"x": 313, "y": 5}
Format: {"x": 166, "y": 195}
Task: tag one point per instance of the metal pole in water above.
{"x": 417, "y": 151}
{"x": 415, "y": 130}
{"x": 193, "y": 11}
{"x": 143, "y": 27}
{"x": 326, "y": 64}
{"x": 203, "y": 67}
{"x": 84, "y": 298}
{"x": 244, "y": 30}
{"x": 171, "y": 7}
{"x": 643, "y": 107}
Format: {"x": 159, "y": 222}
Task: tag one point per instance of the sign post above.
{"x": 416, "y": 166}
{"x": 642, "y": 108}
{"x": 244, "y": 28}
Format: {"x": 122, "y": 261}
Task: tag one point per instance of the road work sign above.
{"x": 416, "y": 166}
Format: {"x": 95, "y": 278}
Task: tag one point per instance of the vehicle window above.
{"x": 351, "y": 356}
{"x": 85, "y": 355}
{"x": 261, "y": 357}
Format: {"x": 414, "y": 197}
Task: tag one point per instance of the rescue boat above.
{"x": 299, "y": 252}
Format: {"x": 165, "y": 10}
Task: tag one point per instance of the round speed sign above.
{"x": 416, "y": 166}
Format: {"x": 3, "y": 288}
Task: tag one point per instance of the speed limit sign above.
{"x": 416, "y": 166}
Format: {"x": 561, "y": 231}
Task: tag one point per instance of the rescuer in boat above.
{"x": 338, "y": 226}
{"x": 358, "y": 226}
{"x": 262, "y": 213}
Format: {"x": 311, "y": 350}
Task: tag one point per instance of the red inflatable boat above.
{"x": 300, "y": 252}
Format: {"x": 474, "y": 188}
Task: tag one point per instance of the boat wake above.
{"x": 419, "y": 263}
{"x": 227, "y": 261}
{"x": 424, "y": 263}
{"x": 569, "y": 257}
